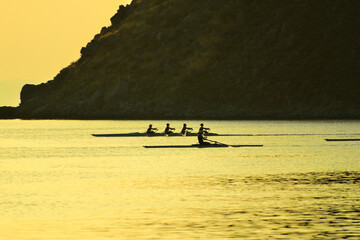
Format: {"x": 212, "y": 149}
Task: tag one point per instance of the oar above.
{"x": 217, "y": 142}
{"x": 234, "y": 145}
{"x": 186, "y": 132}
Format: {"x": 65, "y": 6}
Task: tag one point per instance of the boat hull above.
{"x": 343, "y": 140}
{"x": 201, "y": 146}
{"x": 138, "y": 134}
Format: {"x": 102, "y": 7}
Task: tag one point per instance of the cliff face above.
{"x": 212, "y": 59}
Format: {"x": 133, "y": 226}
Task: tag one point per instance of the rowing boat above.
{"x": 138, "y": 134}
{"x": 342, "y": 139}
{"x": 201, "y": 146}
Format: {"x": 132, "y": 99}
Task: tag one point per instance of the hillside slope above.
{"x": 233, "y": 59}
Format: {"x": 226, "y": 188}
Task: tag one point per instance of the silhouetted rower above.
{"x": 184, "y": 129}
{"x": 151, "y": 130}
{"x": 201, "y": 139}
{"x": 202, "y": 129}
{"x": 168, "y": 129}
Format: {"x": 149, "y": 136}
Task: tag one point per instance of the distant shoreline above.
{"x": 12, "y": 113}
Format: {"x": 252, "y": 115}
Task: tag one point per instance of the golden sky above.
{"x": 38, "y": 38}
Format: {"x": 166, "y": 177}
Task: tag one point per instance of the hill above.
{"x": 234, "y": 59}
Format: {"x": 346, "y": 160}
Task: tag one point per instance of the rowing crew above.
{"x": 185, "y": 130}
{"x": 169, "y": 130}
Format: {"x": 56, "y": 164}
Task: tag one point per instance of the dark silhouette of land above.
{"x": 217, "y": 59}
{"x": 8, "y": 113}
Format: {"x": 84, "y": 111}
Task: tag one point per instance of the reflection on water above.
{"x": 61, "y": 183}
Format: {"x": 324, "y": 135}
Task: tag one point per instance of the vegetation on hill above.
{"x": 217, "y": 59}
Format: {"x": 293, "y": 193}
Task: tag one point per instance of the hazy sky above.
{"x": 38, "y": 38}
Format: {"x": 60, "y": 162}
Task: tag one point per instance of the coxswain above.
{"x": 168, "y": 129}
{"x": 185, "y": 129}
{"x": 151, "y": 130}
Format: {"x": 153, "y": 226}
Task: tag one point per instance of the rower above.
{"x": 151, "y": 130}
{"x": 184, "y": 130}
{"x": 203, "y": 129}
{"x": 201, "y": 139}
{"x": 168, "y": 129}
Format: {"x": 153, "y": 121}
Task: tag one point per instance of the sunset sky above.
{"x": 41, "y": 37}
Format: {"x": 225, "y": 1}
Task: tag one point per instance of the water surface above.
{"x": 59, "y": 182}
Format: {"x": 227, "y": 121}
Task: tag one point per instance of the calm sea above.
{"x": 57, "y": 181}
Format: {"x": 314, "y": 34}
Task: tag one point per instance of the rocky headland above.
{"x": 235, "y": 59}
